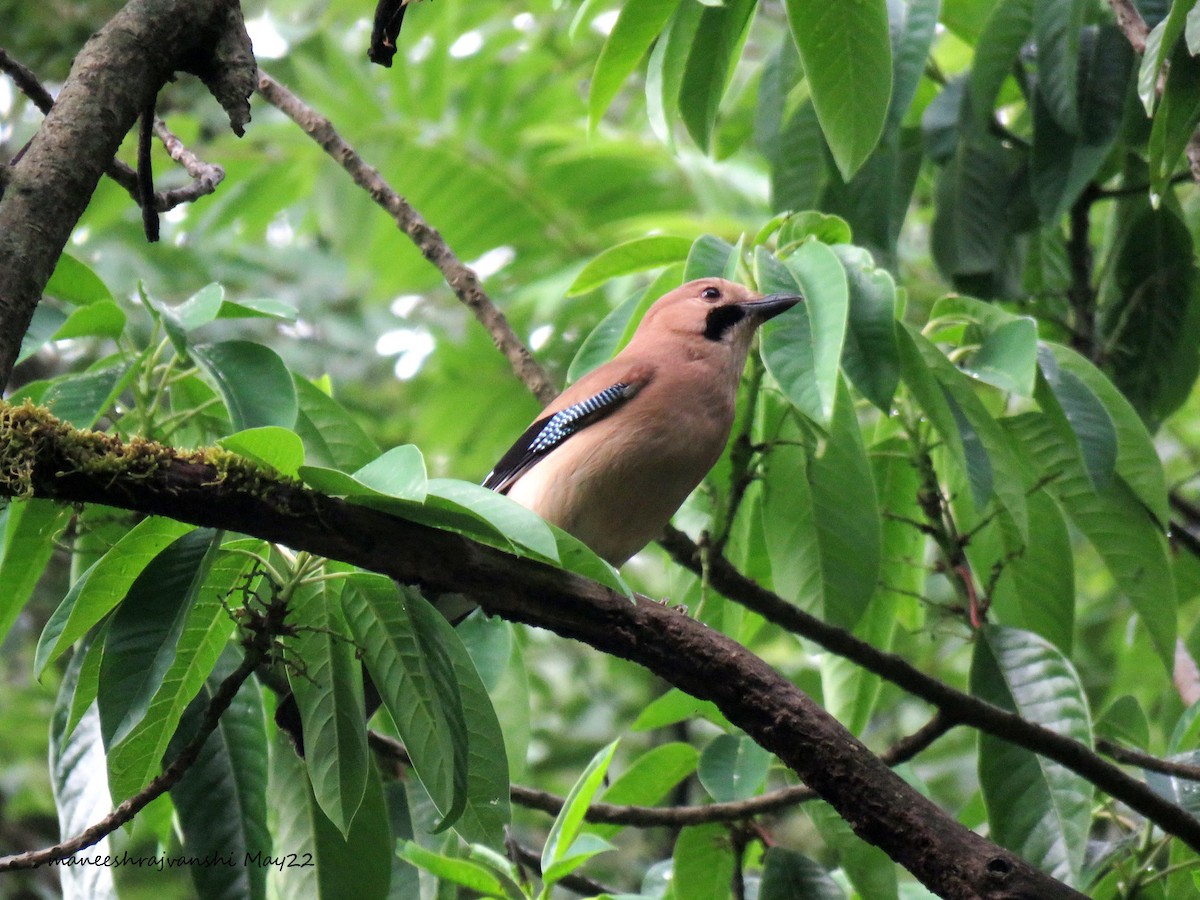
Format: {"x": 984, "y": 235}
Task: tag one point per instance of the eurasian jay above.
{"x": 616, "y": 454}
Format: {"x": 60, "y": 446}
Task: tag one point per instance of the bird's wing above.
{"x": 550, "y": 431}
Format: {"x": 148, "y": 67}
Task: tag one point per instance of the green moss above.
{"x": 32, "y": 441}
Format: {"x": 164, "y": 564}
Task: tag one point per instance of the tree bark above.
{"x": 116, "y": 75}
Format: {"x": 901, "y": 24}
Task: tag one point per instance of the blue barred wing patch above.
{"x": 550, "y": 431}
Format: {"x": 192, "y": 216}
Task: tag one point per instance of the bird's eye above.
{"x": 711, "y": 293}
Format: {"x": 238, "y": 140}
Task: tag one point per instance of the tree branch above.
{"x": 114, "y": 77}
{"x": 460, "y": 278}
{"x": 960, "y": 708}
{"x": 1131, "y": 23}
{"x": 41, "y": 457}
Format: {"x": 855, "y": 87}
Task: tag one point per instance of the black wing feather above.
{"x": 550, "y": 431}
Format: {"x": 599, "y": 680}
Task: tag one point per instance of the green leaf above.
{"x": 636, "y": 28}
{"x": 847, "y": 56}
{"x": 703, "y": 862}
{"x": 733, "y": 767}
{"x": 1005, "y": 32}
{"x": 332, "y": 437}
{"x": 715, "y": 50}
{"x": 1137, "y": 459}
{"x": 257, "y": 308}
{"x": 200, "y": 308}
{"x": 629, "y": 257}
{"x": 569, "y": 822}
{"x": 871, "y": 358}
{"x": 1113, "y": 520}
{"x": 527, "y": 532}
{"x": 709, "y": 257}
{"x": 354, "y": 867}
{"x": 75, "y": 283}
{"x": 869, "y": 869}
{"x": 833, "y": 514}
{"x": 77, "y": 777}
{"x": 29, "y": 531}
{"x": 1056, "y": 28}
{"x": 140, "y": 646}
{"x": 1036, "y": 807}
{"x": 398, "y": 474}
{"x": 221, "y": 801}
{"x": 1125, "y": 722}
{"x": 97, "y": 591}
{"x": 206, "y": 630}
{"x": 1176, "y": 117}
{"x": 788, "y": 874}
{"x": 802, "y": 348}
{"x": 809, "y": 223}
{"x": 467, "y": 873}
{"x": 664, "y": 71}
{"x": 912, "y": 40}
{"x": 42, "y": 327}
{"x": 1090, "y": 424}
{"x": 1159, "y": 44}
{"x": 81, "y": 400}
{"x": 269, "y": 445}
{"x": 329, "y": 693}
{"x": 253, "y": 381}
{"x": 1008, "y": 357}
{"x": 100, "y": 319}
{"x": 676, "y": 706}
{"x": 1062, "y": 162}
{"x": 797, "y": 156}
{"x": 1151, "y": 313}
{"x": 404, "y": 642}
{"x": 649, "y": 778}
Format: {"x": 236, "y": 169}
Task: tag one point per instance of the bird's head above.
{"x": 716, "y": 310}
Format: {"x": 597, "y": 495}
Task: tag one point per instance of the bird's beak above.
{"x": 771, "y": 305}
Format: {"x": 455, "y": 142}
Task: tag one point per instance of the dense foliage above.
{"x": 968, "y": 447}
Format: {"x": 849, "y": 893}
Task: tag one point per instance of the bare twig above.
{"x": 205, "y": 176}
{"x": 1130, "y": 21}
{"x": 1148, "y": 762}
{"x": 461, "y": 279}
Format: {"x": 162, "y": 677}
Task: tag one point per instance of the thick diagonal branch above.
{"x": 45, "y": 458}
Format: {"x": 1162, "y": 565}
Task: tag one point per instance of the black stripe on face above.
{"x": 720, "y": 319}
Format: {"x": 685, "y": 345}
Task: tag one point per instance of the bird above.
{"x": 613, "y": 457}
{"x": 389, "y": 17}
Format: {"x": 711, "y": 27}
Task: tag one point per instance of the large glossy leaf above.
{"x": 871, "y": 358}
{"x": 637, "y": 26}
{"x": 405, "y": 644}
{"x": 847, "y": 58}
{"x": 1088, "y": 421}
{"x": 100, "y": 319}
{"x": 1057, "y": 25}
{"x": 332, "y": 437}
{"x": 788, "y": 874}
{"x": 206, "y": 629}
{"x": 1036, "y": 807}
{"x": 97, "y": 591}
{"x": 715, "y": 50}
{"x": 81, "y": 400}
{"x": 823, "y": 535}
{"x": 664, "y": 71}
{"x": 1114, "y": 521}
{"x": 1176, "y": 117}
{"x": 77, "y": 778}
{"x": 1137, "y": 459}
{"x": 649, "y": 778}
{"x": 326, "y": 865}
{"x": 1008, "y": 27}
{"x": 632, "y": 256}
{"x": 480, "y": 879}
{"x": 328, "y": 688}
{"x": 912, "y": 37}
{"x": 703, "y": 862}
{"x": 803, "y": 347}
{"x": 1159, "y": 44}
{"x": 869, "y": 869}
{"x": 1151, "y": 314}
{"x": 74, "y": 282}
{"x": 140, "y": 649}
{"x": 1063, "y": 162}
{"x": 221, "y": 801}
{"x": 253, "y": 381}
{"x": 733, "y": 767}
{"x": 399, "y": 474}
{"x": 28, "y": 532}
{"x": 269, "y": 445}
